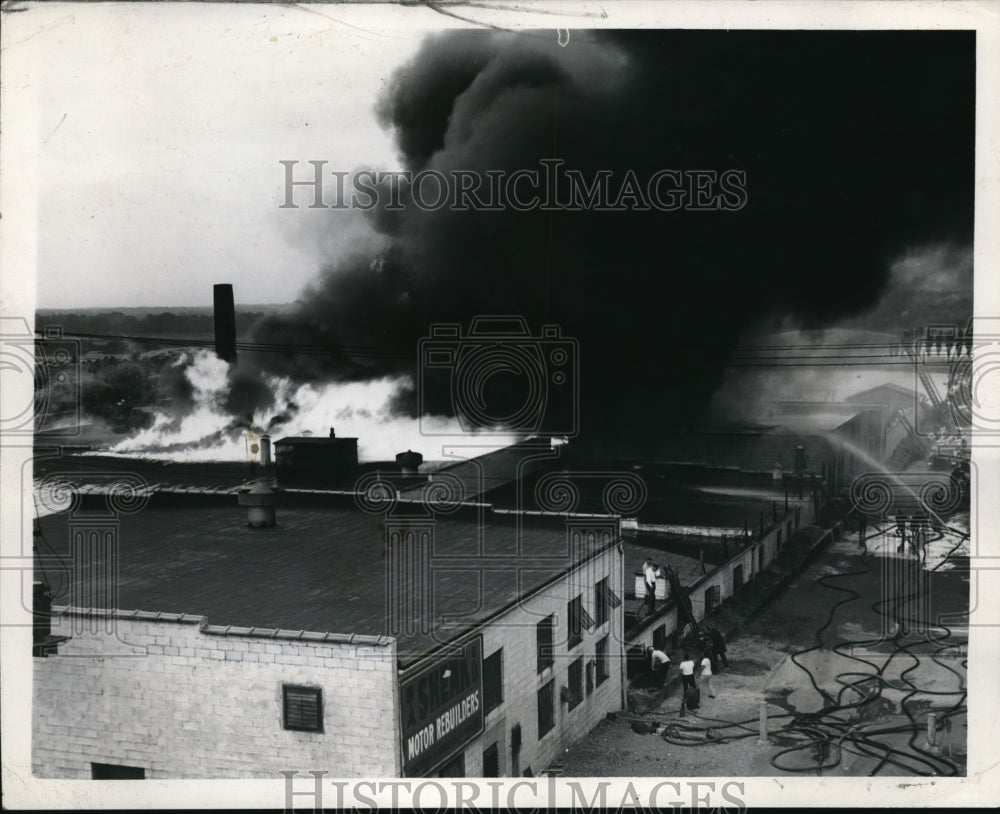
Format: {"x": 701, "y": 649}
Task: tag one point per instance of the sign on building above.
{"x": 441, "y": 707}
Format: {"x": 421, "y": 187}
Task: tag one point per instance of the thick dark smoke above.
{"x": 857, "y": 147}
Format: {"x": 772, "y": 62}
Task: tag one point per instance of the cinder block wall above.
{"x": 184, "y": 702}
{"x": 515, "y": 632}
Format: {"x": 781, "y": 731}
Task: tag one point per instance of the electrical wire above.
{"x": 778, "y": 356}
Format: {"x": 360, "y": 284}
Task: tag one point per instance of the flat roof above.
{"x": 323, "y": 568}
{"x": 313, "y": 440}
{"x": 674, "y": 497}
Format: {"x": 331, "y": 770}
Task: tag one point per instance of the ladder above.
{"x": 925, "y": 377}
{"x": 682, "y": 600}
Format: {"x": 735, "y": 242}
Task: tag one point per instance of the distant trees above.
{"x": 116, "y": 389}
{"x": 172, "y": 324}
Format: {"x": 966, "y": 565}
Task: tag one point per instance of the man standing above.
{"x": 706, "y": 674}
{"x": 719, "y": 644}
{"x": 689, "y": 692}
{"x": 650, "y": 573}
{"x": 687, "y": 672}
{"x": 660, "y": 663}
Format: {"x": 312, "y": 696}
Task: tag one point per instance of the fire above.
{"x": 207, "y": 432}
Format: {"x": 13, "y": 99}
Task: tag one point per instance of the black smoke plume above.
{"x": 857, "y": 147}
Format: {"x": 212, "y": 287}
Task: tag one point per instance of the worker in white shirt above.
{"x": 650, "y": 573}
{"x": 706, "y": 674}
{"x": 660, "y": 664}
{"x": 687, "y": 671}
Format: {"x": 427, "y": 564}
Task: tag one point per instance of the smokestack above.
{"x": 265, "y": 452}
{"x": 225, "y": 323}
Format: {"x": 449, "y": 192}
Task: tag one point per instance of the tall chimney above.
{"x": 225, "y": 323}
{"x": 265, "y": 452}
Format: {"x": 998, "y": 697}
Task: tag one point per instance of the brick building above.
{"x": 357, "y": 636}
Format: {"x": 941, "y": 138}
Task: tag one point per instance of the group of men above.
{"x": 713, "y": 658}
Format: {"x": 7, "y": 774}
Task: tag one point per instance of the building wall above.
{"x": 798, "y": 516}
{"x": 866, "y": 434}
{"x": 182, "y": 701}
{"x": 515, "y": 632}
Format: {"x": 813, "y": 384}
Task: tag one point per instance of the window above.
{"x": 779, "y": 538}
{"x": 454, "y": 767}
{"x": 545, "y": 709}
{"x": 109, "y": 771}
{"x": 544, "y": 640}
{"x": 601, "y": 602}
{"x": 712, "y": 598}
{"x": 303, "y": 708}
{"x": 590, "y": 677}
{"x": 578, "y": 620}
{"x": 737, "y": 577}
{"x": 491, "y": 761}
{"x": 515, "y": 750}
{"x": 602, "y": 661}
{"x": 576, "y": 683}
{"x": 493, "y": 682}
{"x": 660, "y": 637}
{"x": 573, "y": 611}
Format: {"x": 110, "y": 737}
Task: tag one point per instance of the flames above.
{"x": 204, "y": 430}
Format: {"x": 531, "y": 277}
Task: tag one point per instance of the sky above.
{"x": 159, "y": 141}
{"x": 161, "y": 130}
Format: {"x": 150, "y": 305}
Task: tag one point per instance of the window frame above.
{"x": 545, "y": 660}
{"x": 492, "y": 701}
{"x": 495, "y": 749}
{"x": 602, "y": 609}
{"x": 317, "y": 692}
{"x": 547, "y": 690}
{"x": 575, "y": 681}
{"x": 603, "y": 673}
{"x": 574, "y": 617}
{"x": 712, "y": 598}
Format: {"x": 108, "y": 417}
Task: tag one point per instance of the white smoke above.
{"x": 355, "y": 409}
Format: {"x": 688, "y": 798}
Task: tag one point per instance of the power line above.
{"x": 781, "y": 359}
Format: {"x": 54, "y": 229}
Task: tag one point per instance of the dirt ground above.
{"x": 855, "y": 609}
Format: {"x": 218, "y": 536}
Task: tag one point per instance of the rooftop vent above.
{"x": 409, "y": 461}
{"x": 260, "y": 501}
